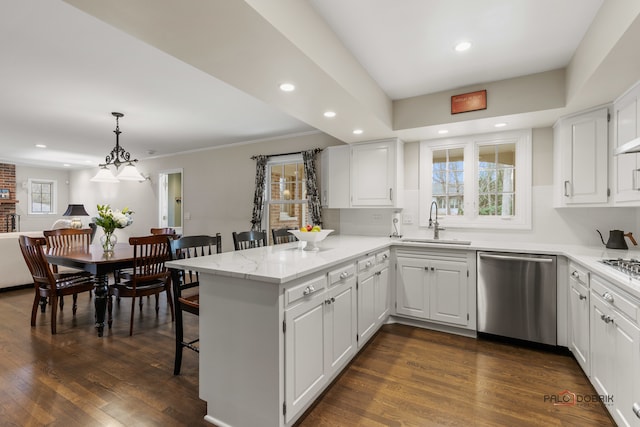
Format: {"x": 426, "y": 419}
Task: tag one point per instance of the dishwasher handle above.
{"x": 515, "y": 258}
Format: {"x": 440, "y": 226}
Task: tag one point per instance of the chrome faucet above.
{"x": 434, "y": 224}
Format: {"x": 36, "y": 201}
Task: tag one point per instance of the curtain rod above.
{"x": 317, "y": 150}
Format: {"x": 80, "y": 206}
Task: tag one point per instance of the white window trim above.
{"x": 279, "y": 160}
{"x": 54, "y": 196}
{"x": 471, "y": 219}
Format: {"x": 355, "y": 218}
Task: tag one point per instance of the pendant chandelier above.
{"x": 117, "y": 157}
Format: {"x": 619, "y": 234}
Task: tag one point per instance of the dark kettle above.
{"x": 616, "y": 239}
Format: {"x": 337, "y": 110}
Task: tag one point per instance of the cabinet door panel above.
{"x": 627, "y": 354}
{"x": 341, "y": 324}
{"x": 602, "y": 363}
{"x": 304, "y": 353}
{"x": 589, "y": 158}
{"x": 579, "y": 327}
{"x": 382, "y": 294}
{"x": 411, "y": 288}
{"x": 366, "y": 307}
{"x": 448, "y": 288}
{"x": 626, "y": 122}
{"x": 372, "y": 174}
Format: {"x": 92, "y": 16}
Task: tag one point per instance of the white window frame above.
{"x": 279, "y": 160}
{"x": 54, "y": 195}
{"x": 470, "y": 144}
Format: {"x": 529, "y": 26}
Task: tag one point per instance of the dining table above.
{"x": 99, "y": 263}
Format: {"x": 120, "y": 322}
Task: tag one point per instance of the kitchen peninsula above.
{"x": 278, "y": 323}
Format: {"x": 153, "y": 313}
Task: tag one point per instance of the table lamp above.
{"x": 75, "y": 211}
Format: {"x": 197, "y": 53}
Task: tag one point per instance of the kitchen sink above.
{"x": 439, "y": 241}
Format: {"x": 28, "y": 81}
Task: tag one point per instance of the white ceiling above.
{"x": 64, "y": 71}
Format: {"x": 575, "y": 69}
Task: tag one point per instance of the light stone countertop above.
{"x": 283, "y": 263}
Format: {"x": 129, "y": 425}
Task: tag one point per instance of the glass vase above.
{"x": 108, "y": 241}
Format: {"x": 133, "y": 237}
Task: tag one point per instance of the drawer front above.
{"x": 579, "y": 273}
{"x": 366, "y": 263}
{"x": 341, "y": 273}
{"x": 306, "y": 290}
{"x": 615, "y": 298}
{"x": 382, "y": 257}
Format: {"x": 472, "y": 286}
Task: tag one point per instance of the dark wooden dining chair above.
{"x": 282, "y": 235}
{"x": 72, "y": 238}
{"x": 185, "y": 285}
{"x": 166, "y": 231}
{"x": 48, "y": 284}
{"x": 249, "y": 239}
{"x": 149, "y": 276}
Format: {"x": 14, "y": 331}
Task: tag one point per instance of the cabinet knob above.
{"x": 575, "y": 274}
{"x": 308, "y": 290}
{"x": 607, "y": 297}
{"x": 368, "y": 264}
{"x": 636, "y": 409}
{"x": 606, "y": 319}
{"x": 344, "y": 275}
{"x": 582, "y": 297}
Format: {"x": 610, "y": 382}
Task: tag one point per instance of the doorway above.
{"x": 170, "y": 199}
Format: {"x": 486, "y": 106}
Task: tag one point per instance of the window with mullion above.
{"x": 448, "y": 181}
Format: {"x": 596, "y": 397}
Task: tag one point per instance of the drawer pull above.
{"x": 309, "y": 290}
{"x": 575, "y": 274}
{"x": 368, "y": 264}
{"x": 608, "y": 297}
{"x": 636, "y": 409}
{"x": 582, "y": 297}
{"x": 385, "y": 256}
{"x": 606, "y": 319}
{"x": 344, "y": 275}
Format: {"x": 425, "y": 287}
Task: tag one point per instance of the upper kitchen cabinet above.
{"x": 376, "y": 174}
{"x": 334, "y": 177}
{"x": 362, "y": 175}
{"x": 580, "y": 159}
{"x": 627, "y": 166}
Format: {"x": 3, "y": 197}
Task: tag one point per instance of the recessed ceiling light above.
{"x": 41, "y": 146}
{"x": 462, "y": 46}
{"x": 357, "y": 131}
{"x": 329, "y": 114}
{"x": 287, "y": 87}
{"x": 443, "y": 131}
{"x": 500, "y": 125}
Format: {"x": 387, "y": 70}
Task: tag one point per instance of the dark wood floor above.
{"x": 404, "y": 377}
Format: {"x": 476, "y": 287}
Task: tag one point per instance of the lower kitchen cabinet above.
{"x": 320, "y": 336}
{"x": 373, "y": 294}
{"x": 436, "y": 286}
{"x": 615, "y": 350}
{"x": 579, "y": 316}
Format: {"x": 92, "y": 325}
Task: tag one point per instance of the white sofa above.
{"x": 13, "y": 267}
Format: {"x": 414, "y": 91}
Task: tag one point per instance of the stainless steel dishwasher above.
{"x": 517, "y": 296}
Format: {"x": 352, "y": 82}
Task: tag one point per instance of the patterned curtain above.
{"x": 309, "y": 158}
{"x": 258, "y": 198}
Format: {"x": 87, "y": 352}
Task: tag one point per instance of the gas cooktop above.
{"x": 630, "y": 266}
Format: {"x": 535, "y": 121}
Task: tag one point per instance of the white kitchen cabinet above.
{"x": 334, "y": 177}
{"x": 435, "y": 286}
{"x": 341, "y": 318}
{"x": 579, "y": 316}
{"x": 320, "y": 336}
{"x": 615, "y": 350}
{"x": 376, "y": 174}
{"x": 305, "y": 336}
{"x": 626, "y": 118}
{"x": 373, "y": 294}
{"x": 581, "y": 159}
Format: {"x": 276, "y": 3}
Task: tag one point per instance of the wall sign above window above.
{"x": 471, "y": 101}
